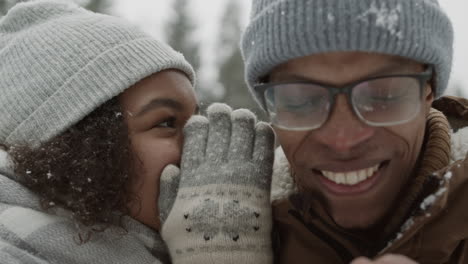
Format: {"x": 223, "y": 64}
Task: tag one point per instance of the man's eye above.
{"x": 389, "y": 97}
{"x": 169, "y": 122}
{"x": 303, "y": 103}
{"x": 297, "y": 106}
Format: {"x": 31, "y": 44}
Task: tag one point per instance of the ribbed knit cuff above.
{"x": 133, "y": 61}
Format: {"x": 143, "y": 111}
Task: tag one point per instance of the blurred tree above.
{"x": 179, "y": 33}
{"x": 180, "y": 37}
{"x": 231, "y": 69}
{"x": 5, "y": 5}
{"x": 101, "y": 6}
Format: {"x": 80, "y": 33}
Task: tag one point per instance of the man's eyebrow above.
{"x": 160, "y": 102}
{"x": 291, "y": 77}
{"x": 397, "y": 66}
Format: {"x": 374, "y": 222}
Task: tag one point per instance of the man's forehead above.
{"x": 343, "y": 65}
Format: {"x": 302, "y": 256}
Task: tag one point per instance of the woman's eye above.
{"x": 169, "y": 122}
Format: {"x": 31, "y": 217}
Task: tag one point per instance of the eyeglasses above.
{"x": 378, "y": 101}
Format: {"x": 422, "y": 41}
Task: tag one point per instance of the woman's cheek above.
{"x": 159, "y": 153}
{"x": 154, "y": 155}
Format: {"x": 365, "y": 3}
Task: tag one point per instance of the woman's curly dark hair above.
{"x": 86, "y": 169}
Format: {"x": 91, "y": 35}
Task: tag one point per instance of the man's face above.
{"x": 345, "y": 145}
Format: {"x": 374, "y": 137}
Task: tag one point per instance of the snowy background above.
{"x": 456, "y": 10}
{"x": 208, "y": 33}
{"x": 152, "y": 14}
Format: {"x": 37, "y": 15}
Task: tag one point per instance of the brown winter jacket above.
{"x": 429, "y": 225}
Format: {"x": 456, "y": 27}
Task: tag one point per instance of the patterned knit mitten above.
{"x": 217, "y": 208}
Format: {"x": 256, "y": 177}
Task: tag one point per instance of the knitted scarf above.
{"x": 435, "y": 156}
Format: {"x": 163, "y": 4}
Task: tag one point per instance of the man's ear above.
{"x": 429, "y": 97}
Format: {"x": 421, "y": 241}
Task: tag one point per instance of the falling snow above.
{"x": 428, "y": 202}
{"x": 449, "y": 175}
{"x": 385, "y": 18}
{"x": 405, "y": 227}
{"x": 432, "y": 198}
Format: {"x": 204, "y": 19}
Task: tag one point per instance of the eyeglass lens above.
{"x": 378, "y": 102}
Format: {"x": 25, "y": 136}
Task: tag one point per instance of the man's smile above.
{"x": 350, "y": 177}
{"x": 351, "y": 181}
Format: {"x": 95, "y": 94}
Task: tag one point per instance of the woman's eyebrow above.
{"x": 160, "y": 102}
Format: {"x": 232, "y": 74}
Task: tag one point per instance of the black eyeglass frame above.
{"x": 347, "y": 89}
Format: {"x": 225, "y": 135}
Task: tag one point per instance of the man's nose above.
{"x": 343, "y": 130}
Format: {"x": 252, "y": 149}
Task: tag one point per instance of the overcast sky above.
{"x": 151, "y": 14}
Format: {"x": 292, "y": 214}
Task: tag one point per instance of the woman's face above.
{"x": 156, "y": 110}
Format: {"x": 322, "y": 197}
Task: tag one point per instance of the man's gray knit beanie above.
{"x": 59, "y": 62}
{"x": 280, "y": 30}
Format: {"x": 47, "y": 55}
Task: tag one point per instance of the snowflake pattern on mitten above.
{"x": 210, "y": 219}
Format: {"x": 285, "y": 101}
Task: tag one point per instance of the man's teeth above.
{"x": 352, "y": 177}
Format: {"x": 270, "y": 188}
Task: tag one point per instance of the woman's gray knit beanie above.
{"x": 59, "y": 62}
{"x": 281, "y": 30}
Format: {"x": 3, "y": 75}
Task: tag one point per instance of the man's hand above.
{"x": 387, "y": 259}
